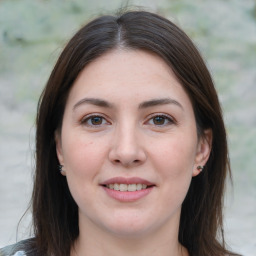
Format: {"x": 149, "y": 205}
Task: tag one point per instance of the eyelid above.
{"x": 171, "y": 119}
{"x": 85, "y": 118}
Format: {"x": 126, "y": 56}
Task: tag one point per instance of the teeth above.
{"x": 139, "y": 186}
{"x": 132, "y": 187}
{"x": 125, "y": 187}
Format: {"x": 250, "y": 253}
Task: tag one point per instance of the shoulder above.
{"x": 22, "y": 248}
{"x": 19, "y": 253}
{"x": 12, "y": 250}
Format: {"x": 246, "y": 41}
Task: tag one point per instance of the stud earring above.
{"x": 61, "y": 168}
{"x": 62, "y": 171}
{"x": 200, "y": 168}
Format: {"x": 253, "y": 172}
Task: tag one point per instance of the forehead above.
{"x": 127, "y": 74}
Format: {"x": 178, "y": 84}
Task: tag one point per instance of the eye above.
{"x": 161, "y": 120}
{"x": 95, "y": 120}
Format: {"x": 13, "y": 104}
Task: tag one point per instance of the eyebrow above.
{"x": 157, "y": 102}
{"x": 93, "y": 101}
{"x": 143, "y": 105}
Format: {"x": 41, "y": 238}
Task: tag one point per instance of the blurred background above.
{"x": 32, "y": 35}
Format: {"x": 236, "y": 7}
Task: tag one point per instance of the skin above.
{"x": 158, "y": 143}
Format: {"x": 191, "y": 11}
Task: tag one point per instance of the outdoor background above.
{"x": 32, "y": 34}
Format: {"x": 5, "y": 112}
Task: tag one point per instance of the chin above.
{"x": 130, "y": 227}
{"x": 134, "y": 232}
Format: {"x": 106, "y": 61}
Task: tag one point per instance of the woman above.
{"x": 131, "y": 150}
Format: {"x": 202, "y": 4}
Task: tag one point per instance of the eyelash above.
{"x": 166, "y": 118}
{"x": 86, "y": 119}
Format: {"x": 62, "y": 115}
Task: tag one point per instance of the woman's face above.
{"x": 129, "y": 144}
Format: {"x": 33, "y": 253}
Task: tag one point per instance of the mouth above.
{"x": 127, "y": 187}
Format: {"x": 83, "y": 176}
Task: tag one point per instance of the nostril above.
{"x": 117, "y": 161}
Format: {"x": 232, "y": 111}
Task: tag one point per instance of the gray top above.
{"x": 19, "y": 253}
{"x": 22, "y": 248}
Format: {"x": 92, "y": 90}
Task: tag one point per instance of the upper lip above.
{"x": 124, "y": 180}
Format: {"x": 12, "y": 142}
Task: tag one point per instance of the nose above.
{"x": 127, "y": 148}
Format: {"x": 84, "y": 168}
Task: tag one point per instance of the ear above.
{"x": 203, "y": 151}
{"x": 59, "y": 150}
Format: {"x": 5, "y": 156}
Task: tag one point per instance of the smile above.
{"x": 126, "y": 187}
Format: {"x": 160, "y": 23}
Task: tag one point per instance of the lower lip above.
{"x": 127, "y": 196}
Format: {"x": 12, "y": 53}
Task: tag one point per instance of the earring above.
{"x": 62, "y": 171}
{"x": 61, "y": 168}
{"x": 200, "y": 168}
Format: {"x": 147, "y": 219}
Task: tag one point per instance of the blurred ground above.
{"x": 32, "y": 34}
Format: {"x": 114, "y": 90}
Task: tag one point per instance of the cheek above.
{"x": 174, "y": 161}
{"x": 82, "y": 156}
{"x": 176, "y": 155}
{"x": 83, "y": 161}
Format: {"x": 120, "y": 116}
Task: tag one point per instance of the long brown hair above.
{"x": 55, "y": 213}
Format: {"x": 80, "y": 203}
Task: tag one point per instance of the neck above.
{"x": 157, "y": 243}
{"x": 127, "y": 247}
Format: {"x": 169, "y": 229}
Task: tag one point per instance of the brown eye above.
{"x": 161, "y": 120}
{"x": 94, "y": 121}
